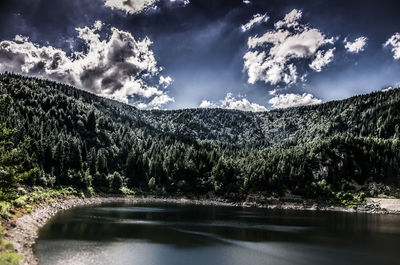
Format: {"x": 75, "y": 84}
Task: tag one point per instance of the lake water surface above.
{"x": 159, "y": 234}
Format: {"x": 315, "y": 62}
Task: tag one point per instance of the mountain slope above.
{"x": 374, "y": 114}
{"x": 90, "y": 142}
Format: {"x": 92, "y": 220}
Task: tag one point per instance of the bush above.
{"x": 21, "y": 201}
{"x": 152, "y": 183}
{"x": 9, "y": 258}
{"x": 9, "y": 246}
{"x": 2, "y": 233}
{"x": 90, "y": 191}
{"x": 21, "y": 191}
{"x": 29, "y": 208}
{"x": 127, "y": 191}
{"x": 351, "y": 199}
{"x": 4, "y": 209}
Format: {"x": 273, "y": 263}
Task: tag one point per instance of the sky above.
{"x": 236, "y": 54}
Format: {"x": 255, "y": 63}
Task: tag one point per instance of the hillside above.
{"x": 374, "y": 115}
{"x": 72, "y": 137}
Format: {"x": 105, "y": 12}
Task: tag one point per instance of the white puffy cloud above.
{"x": 387, "y": 89}
{"x": 256, "y": 19}
{"x": 271, "y": 57}
{"x": 293, "y": 100}
{"x": 142, "y": 106}
{"x": 160, "y": 100}
{"x": 394, "y": 43}
{"x": 130, "y": 6}
{"x": 207, "y": 104}
{"x": 321, "y": 59}
{"x": 165, "y": 81}
{"x": 356, "y": 46}
{"x": 291, "y": 20}
{"x": 120, "y": 67}
{"x": 231, "y": 102}
{"x": 21, "y": 38}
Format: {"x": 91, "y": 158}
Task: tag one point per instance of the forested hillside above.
{"x": 69, "y": 137}
{"x": 374, "y": 115}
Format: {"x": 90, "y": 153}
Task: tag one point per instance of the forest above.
{"x": 54, "y": 135}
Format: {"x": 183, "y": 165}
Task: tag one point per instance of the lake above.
{"x": 159, "y": 234}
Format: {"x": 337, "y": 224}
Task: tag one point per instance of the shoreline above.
{"x": 23, "y": 232}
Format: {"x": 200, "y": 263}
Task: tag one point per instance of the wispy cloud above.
{"x": 394, "y": 43}
{"x": 255, "y": 20}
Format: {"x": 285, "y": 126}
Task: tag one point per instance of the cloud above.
{"x": 356, "y": 46}
{"x": 207, "y": 104}
{"x": 293, "y": 100}
{"x": 120, "y": 67}
{"x": 271, "y": 57}
{"x": 138, "y": 6}
{"x": 322, "y": 59}
{"x": 394, "y": 42}
{"x": 129, "y": 6}
{"x": 165, "y": 81}
{"x": 160, "y": 100}
{"x": 387, "y": 89}
{"x": 20, "y": 38}
{"x": 230, "y": 102}
{"x": 142, "y": 106}
{"x": 255, "y": 20}
{"x": 291, "y": 20}
{"x": 184, "y": 2}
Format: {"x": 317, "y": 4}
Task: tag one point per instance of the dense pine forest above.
{"x": 54, "y": 135}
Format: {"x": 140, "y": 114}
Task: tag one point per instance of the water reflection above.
{"x": 174, "y": 234}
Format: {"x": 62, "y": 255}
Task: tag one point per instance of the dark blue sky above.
{"x": 201, "y": 46}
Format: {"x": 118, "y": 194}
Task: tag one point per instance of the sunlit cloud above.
{"x": 272, "y": 57}
{"x": 231, "y": 102}
{"x": 293, "y": 100}
{"x": 356, "y": 46}
{"x": 255, "y": 20}
{"x": 120, "y": 67}
{"x": 394, "y": 43}
{"x": 130, "y": 6}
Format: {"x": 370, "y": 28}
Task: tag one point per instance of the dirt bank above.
{"x": 23, "y": 232}
{"x": 390, "y": 205}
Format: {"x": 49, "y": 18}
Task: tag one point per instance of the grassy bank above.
{"x": 23, "y": 201}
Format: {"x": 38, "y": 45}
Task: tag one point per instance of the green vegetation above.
{"x": 54, "y": 135}
{"x": 37, "y": 195}
{"x": 7, "y": 256}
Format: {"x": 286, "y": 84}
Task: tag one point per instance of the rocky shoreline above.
{"x": 23, "y": 232}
